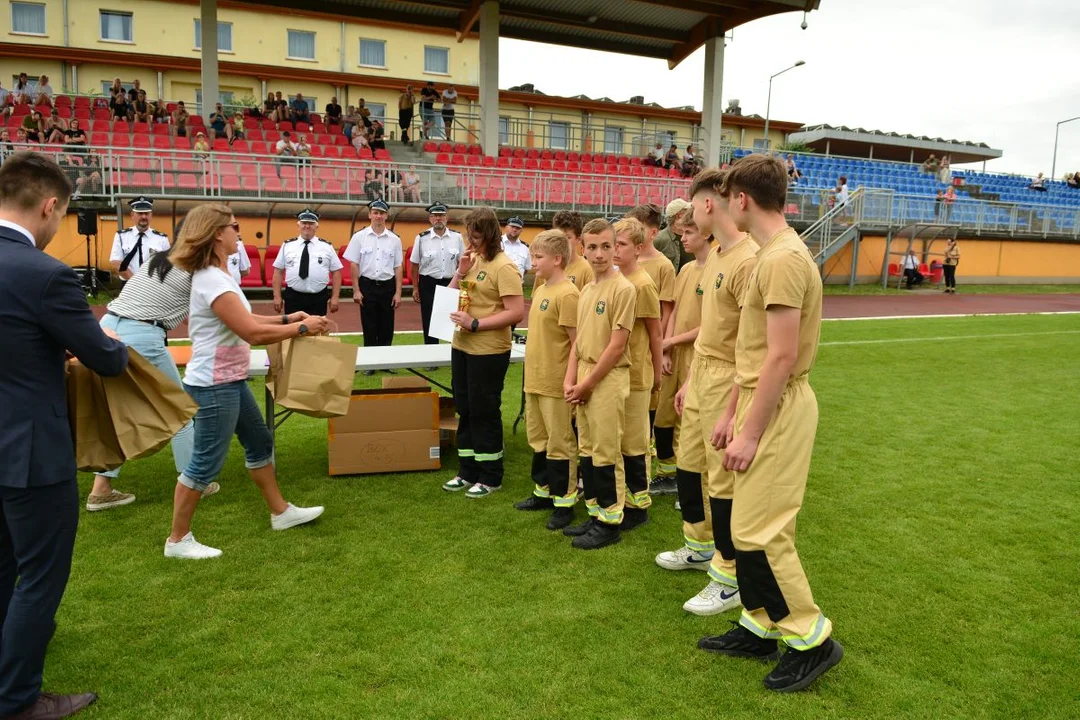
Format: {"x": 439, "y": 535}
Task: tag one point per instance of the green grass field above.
{"x": 939, "y": 534}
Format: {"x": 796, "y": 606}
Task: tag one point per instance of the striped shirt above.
{"x": 147, "y": 298}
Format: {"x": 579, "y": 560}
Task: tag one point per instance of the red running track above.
{"x": 835, "y": 306}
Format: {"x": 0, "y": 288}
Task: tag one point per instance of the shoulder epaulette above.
{"x": 291, "y": 239}
{"x": 158, "y": 233}
{"x": 326, "y": 241}
{"x": 426, "y": 232}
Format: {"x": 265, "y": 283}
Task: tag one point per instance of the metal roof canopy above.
{"x": 667, "y": 29}
{"x": 891, "y": 146}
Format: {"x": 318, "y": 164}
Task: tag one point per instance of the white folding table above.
{"x": 393, "y": 357}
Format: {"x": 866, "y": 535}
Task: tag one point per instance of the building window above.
{"x": 373, "y": 53}
{"x": 28, "y": 18}
{"x": 224, "y": 36}
{"x": 761, "y": 144}
{"x": 312, "y": 103}
{"x": 116, "y": 26}
{"x": 437, "y": 60}
{"x": 301, "y": 45}
{"x": 31, "y": 83}
{"x": 378, "y": 111}
{"x": 504, "y": 131}
{"x": 613, "y": 139}
{"x": 559, "y": 133}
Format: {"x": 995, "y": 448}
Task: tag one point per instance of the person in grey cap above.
{"x": 434, "y": 258}
{"x": 515, "y": 247}
{"x": 134, "y": 246}
{"x": 667, "y": 241}
{"x": 310, "y": 267}
{"x": 376, "y": 257}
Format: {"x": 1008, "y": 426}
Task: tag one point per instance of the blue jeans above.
{"x": 225, "y": 410}
{"x": 149, "y": 341}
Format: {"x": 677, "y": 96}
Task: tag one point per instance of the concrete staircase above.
{"x": 438, "y": 186}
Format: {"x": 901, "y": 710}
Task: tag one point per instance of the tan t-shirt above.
{"x": 648, "y": 306}
{"x": 491, "y": 281}
{"x": 723, "y": 282}
{"x": 547, "y": 350}
{"x": 785, "y": 275}
{"x": 578, "y": 272}
{"x": 604, "y": 307}
{"x": 688, "y": 294}
{"x": 662, "y": 273}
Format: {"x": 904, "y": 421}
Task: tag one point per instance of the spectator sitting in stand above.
{"x": 348, "y": 121}
{"x": 6, "y": 146}
{"x": 299, "y": 110}
{"x": 236, "y": 124}
{"x": 269, "y": 108}
{"x": 285, "y": 151}
{"x": 161, "y": 112}
{"x": 219, "y": 124}
{"x": 333, "y": 112}
{"x": 303, "y": 150}
{"x": 410, "y": 185}
{"x": 282, "y": 111}
{"x": 930, "y": 165}
{"x": 689, "y": 163}
{"x": 202, "y": 145}
{"x": 44, "y": 92}
{"x": 23, "y": 90}
{"x": 1039, "y": 183}
{"x": 141, "y": 109}
{"x": 656, "y": 157}
{"x": 373, "y": 187}
{"x": 116, "y": 88}
{"x": 671, "y": 159}
{"x": 912, "y": 276}
{"x": 5, "y": 102}
{"x": 34, "y": 125}
{"x": 119, "y": 106}
{"x": 1074, "y": 181}
{"x": 75, "y": 136}
{"x": 364, "y": 112}
{"x": 179, "y": 120}
{"x": 793, "y": 171}
{"x": 22, "y": 140}
{"x": 133, "y": 92}
{"x": 378, "y": 137}
{"x": 55, "y": 127}
{"x": 360, "y": 143}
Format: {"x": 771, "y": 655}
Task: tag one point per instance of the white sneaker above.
{"x": 294, "y": 516}
{"x": 683, "y": 559}
{"x": 479, "y": 490}
{"x": 211, "y": 489}
{"x": 190, "y": 549}
{"x": 713, "y": 600}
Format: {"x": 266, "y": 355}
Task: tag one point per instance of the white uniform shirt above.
{"x": 437, "y": 255}
{"x": 911, "y": 262}
{"x": 239, "y": 262}
{"x": 519, "y": 253}
{"x": 124, "y": 242}
{"x": 322, "y": 260}
{"x": 375, "y": 255}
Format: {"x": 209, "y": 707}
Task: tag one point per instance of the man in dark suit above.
{"x": 43, "y": 313}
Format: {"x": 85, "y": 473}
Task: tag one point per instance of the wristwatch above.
{"x": 284, "y": 319}
{"x": 475, "y": 324}
{"x": 302, "y": 330}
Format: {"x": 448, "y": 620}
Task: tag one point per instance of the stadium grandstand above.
{"x": 337, "y": 140}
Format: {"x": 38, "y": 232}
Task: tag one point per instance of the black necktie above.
{"x": 304, "y": 260}
{"x": 138, "y": 244}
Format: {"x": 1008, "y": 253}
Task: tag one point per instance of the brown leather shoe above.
{"x": 54, "y": 707}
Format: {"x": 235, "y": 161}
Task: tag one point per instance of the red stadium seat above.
{"x": 431, "y": 146}
{"x": 254, "y": 278}
{"x": 346, "y": 270}
{"x": 269, "y": 255}
{"x": 141, "y": 140}
{"x": 475, "y": 150}
{"x": 486, "y": 160}
{"x": 159, "y": 129}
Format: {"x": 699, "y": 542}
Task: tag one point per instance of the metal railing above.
{"x": 125, "y": 172}
{"x": 838, "y": 226}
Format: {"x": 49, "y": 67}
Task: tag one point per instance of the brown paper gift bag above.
{"x": 312, "y": 375}
{"x": 123, "y": 418}
{"x": 146, "y": 407}
{"x": 96, "y": 446}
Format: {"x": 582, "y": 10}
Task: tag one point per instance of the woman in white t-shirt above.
{"x": 222, "y": 329}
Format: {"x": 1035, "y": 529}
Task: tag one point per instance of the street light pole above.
{"x": 768, "y": 104}
{"x": 1053, "y": 167}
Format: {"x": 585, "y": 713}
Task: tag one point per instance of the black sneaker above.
{"x": 560, "y": 518}
{"x": 740, "y": 642}
{"x": 535, "y": 503}
{"x": 632, "y": 518}
{"x": 798, "y": 668}
{"x": 663, "y": 486}
{"x": 581, "y": 529}
{"x": 600, "y": 535}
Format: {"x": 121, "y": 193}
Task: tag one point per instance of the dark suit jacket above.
{"x": 43, "y": 312}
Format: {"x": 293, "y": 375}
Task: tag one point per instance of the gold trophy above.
{"x": 464, "y": 301}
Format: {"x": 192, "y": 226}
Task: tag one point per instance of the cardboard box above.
{"x": 408, "y": 381}
{"x": 386, "y": 431}
{"x": 448, "y": 422}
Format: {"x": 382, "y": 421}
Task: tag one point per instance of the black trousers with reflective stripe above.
{"x": 477, "y": 382}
